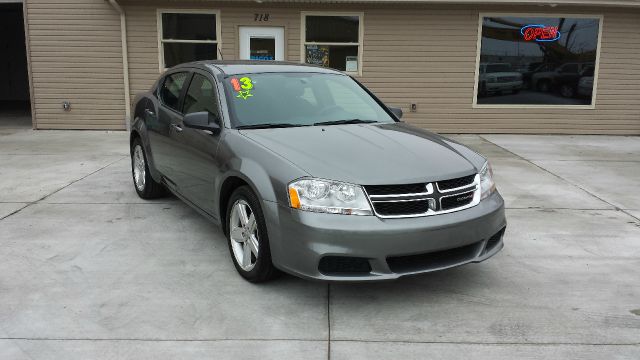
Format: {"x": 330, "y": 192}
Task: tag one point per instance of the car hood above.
{"x": 367, "y": 154}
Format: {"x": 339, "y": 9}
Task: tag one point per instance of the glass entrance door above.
{"x": 261, "y": 43}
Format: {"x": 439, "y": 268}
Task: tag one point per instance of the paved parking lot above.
{"x": 90, "y": 271}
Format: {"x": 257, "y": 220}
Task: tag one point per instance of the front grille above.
{"x": 456, "y": 201}
{"x": 456, "y": 183}
{"x": 400, "y": 208}
{"x": 422, "y": 198}
{"x": 395, "y": 189}
{"x": 433, "y": 260}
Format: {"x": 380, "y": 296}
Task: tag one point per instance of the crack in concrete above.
{"x": 514, "y": 343}
{"x": 328, "y": 321}
{"x": 617, "y": 208}
{"x": 60, "y": 189}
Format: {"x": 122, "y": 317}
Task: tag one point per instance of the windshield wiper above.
{"x": 268, "y": 126}
{"x": 347, "y": 121}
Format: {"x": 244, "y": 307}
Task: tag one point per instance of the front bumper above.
{"x": 392, "y": 247}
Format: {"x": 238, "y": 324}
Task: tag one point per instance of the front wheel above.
{"x": 248, "y": 238}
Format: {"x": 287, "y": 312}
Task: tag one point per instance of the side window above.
{"x": 171, "y": 89}
{"x": 201, "y": 96}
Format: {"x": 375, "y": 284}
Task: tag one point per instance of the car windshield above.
{"x": 495, "y": 68}
{"x": 299, "y": 99}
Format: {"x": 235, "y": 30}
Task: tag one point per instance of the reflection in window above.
{"x": 537, "y": 60}
{"x": 201, "y": 96}
{"x": 188, "y": 37}
{"x": 332, "y": 41}
{"x": 262, "y": 48}
{"x": 171, "y": 89}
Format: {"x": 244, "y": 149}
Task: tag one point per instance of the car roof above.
{"x": 233, "y": 67}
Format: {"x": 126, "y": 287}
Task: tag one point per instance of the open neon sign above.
{"x": 539, "y": 32}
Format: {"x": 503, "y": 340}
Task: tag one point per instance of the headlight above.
{"x": 328, "y": 196}
{"x": 487, "y": 186}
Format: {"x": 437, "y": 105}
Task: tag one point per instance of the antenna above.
{"x": 220, "y": 52}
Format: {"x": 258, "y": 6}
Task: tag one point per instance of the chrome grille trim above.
{"x": 429, "y": 191}
{"x": 474, "y": 186}
{"x": 460, "y": 188}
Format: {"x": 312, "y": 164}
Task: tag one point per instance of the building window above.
{"x": 187, "y": 36}
{"x": 333, "y": 40}
{"x": 538, "y": 60}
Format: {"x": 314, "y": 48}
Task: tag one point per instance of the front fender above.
{"x": 267, "y": 172}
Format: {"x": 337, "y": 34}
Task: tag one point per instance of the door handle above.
{"x": 176, "y": 127}
{"x": 149, "y": 112}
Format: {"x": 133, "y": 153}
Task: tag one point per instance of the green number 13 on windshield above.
{"x": 243, "y": 87}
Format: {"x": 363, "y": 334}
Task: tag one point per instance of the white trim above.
{"x": 125, "y": 62}
{"x": 246, "y": 33}
{"x": 360, "y": 43}
{"x": 161, "y": 41}
{"x": 482, "y": 15}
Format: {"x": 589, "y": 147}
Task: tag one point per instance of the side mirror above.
{"x": 396, "y": 111}
{"x": 203, "y": 120}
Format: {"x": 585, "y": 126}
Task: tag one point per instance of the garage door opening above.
{"x": 15, "y": 107}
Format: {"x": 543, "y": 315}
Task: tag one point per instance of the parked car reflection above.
{"x": 498, "y": 78}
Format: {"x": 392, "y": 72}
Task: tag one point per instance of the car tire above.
{"x": 567, "y": 91}
{"x": 247, "y": 237}
{"x": 145, "y": 186}
{"x": 543, "y": 86}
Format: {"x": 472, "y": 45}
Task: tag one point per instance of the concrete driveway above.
{"x": 90, "y": 271}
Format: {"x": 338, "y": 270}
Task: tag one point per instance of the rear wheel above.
{"x": 247, "y": 236}
{"x": 145, "y": 186}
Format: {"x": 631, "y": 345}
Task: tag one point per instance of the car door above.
{"x": 198, "y": 163}
{"x": 167, "y": 122}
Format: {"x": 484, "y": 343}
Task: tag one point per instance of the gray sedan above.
{"x": 307, "y": 172}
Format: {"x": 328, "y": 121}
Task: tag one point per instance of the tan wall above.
{"x": 76, "y": 55}
{"x": 423, "y": 54}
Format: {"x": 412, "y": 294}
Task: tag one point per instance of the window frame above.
{"x": 162, "y": 41}
{"x": 359, "y": 44}
{"x": 591, "y": 106}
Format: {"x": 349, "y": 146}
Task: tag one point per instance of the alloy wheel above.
{"x": 243, "y": 231}
{"x": 139, "y": 167}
